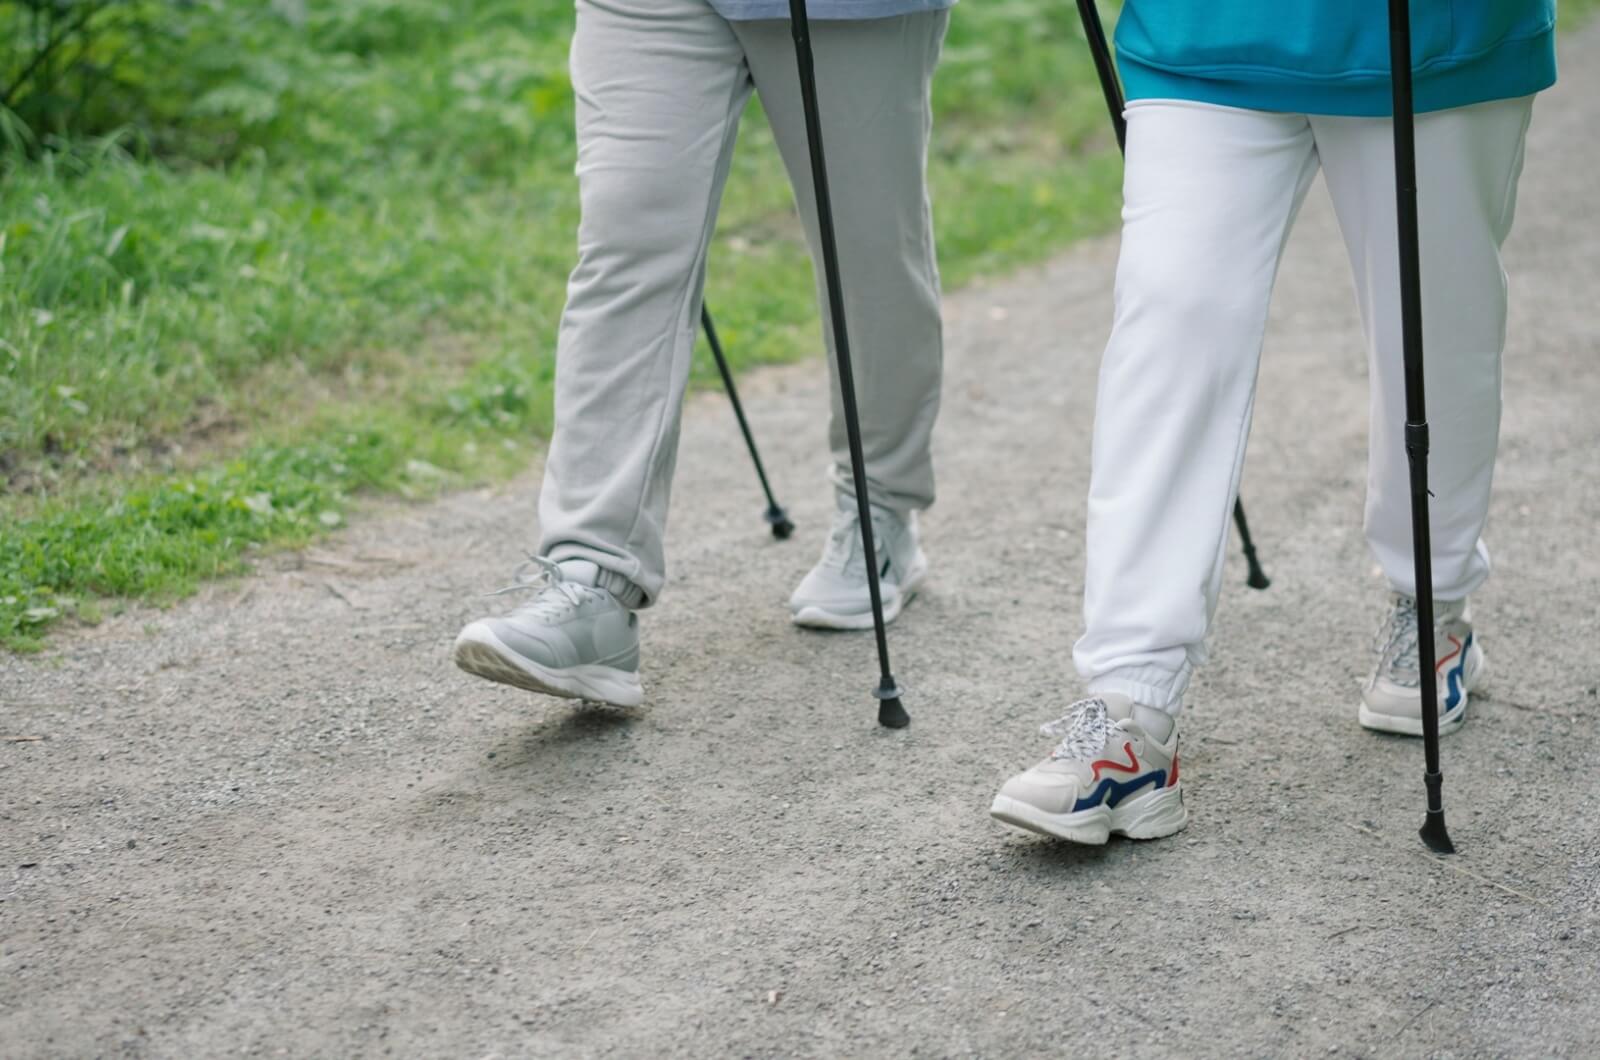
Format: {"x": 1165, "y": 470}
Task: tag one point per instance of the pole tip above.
{"x": 778, "y": 519}
{"x": 891, "y": 714}
{"x": 1434, "y": 835}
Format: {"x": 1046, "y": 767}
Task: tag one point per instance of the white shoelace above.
{"x": 1396, "y": 643}
{"x": 1083, "y": 730}
{"x": 557, "y": 596}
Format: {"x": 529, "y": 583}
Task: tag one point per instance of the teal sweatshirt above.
{"x": 1332, "y": 56}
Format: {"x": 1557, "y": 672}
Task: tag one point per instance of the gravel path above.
{"x": 276, "y": 819}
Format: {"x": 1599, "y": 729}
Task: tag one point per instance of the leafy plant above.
{"x": 209, "y": 80}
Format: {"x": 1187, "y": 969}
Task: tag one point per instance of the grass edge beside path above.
{"x": 256, "y": 288}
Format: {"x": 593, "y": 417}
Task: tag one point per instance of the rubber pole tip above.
{"x": 1434, "y": 834}
{"x": 1258, "y": 579}
{"x": 892, "y": 715}
{"x": 779, "y": 520}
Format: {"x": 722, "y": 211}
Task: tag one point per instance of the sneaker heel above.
{"x": 1161, "y": 813}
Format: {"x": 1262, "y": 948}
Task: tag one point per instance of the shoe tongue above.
{"x": 1158, "y": 723}
{"x": 1118, "y": 706}
{"x": 581, "y": 571}
{"x": 1443, "y": 610}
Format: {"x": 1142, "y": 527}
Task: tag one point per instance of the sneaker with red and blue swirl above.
{"x": 1114, "y": 772}
{"x": 1392, "y": 698}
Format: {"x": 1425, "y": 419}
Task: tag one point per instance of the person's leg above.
{"x": 1468, "y": 163}
{"x": 659, "y": 85}
{"x": 873, "y": 83}
{"x": 1210, "y": 194}
{"x": 874, "y": 78}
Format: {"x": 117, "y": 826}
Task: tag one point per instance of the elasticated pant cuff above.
{"x": 1161, "y": 689}
{"x": 588, "y": 572}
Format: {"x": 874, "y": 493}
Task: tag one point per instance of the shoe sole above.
{"x": 481, "y": 653}
{"x": 813, "y": 617}
{"x": 1449, "y": 721}
{"x": 1160, "y": 813}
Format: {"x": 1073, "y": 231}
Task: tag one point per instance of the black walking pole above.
{"x": 1256, "y": 578}
{"x": 776, "y": 517}
{"x": 1433, "y": 831}
{"x": 891, "y": 712}
{"x": 1089, "y": 14}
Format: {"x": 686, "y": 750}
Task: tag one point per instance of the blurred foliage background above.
{"x": 261, "y": 258}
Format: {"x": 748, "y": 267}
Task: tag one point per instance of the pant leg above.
{"x": 873, "y": 78}
{"x": 659, "y": 86}
{"x": 1468, "y": 162}
{"x": 1209, "y": 196}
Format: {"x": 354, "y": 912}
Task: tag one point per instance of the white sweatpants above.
{"x": 1210, "y": 194}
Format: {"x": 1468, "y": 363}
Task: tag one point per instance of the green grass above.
{"x": 1573, "y": 12}
{"x": 357, "y": 291}
{"x": 326, "y": 259}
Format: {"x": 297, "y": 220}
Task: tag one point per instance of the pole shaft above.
{"x": 1416, "y": 435}
{"x": 1100, "y": 50}
{"x": 800, "y": 25}
{"x": 733, "y": 399}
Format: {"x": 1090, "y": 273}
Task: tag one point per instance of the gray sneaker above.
{"x": 1392, "y": 699}
{"x": 572, "y": 639}
{"x": 835, "y": 595}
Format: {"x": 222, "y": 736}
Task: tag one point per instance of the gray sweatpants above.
{"x": 660, "y": 86}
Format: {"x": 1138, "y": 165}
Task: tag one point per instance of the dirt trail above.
{"x": 275, "y": 819}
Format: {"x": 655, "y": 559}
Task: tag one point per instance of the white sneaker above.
{"x": 835, "y": 595}
{"x": 1392, "y": 700}
{"x": 571, "y": 640}
{"x": 1114, "y": 771}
